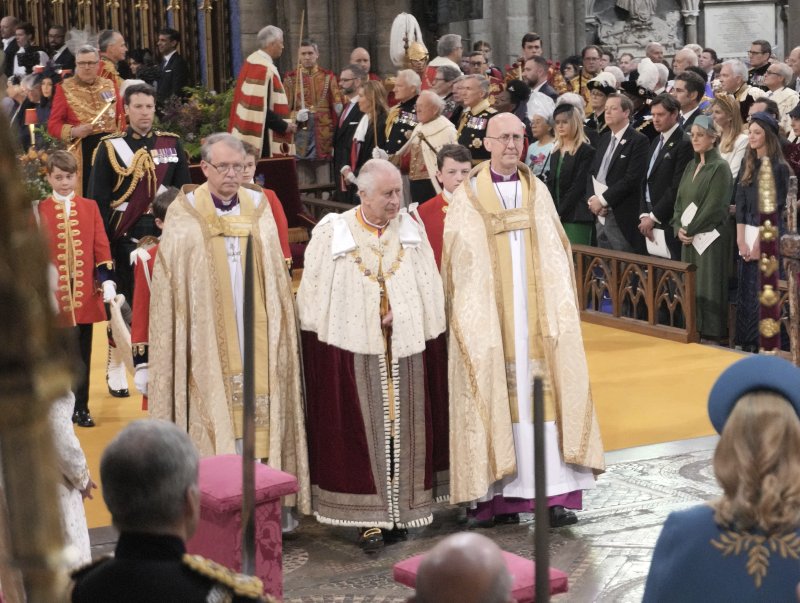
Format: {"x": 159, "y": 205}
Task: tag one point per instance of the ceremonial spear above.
{"x": 249, "y": 416}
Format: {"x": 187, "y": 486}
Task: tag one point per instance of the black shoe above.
{"x": 506, "y": 518}
{"x": 371, "y": 540}
{"x": 479, "y": 524}
{"x": 119, "y": 393}
{"x": 82, "y": 418}
{"x": 560, "y": 517}
{"x": 394, "y": 535}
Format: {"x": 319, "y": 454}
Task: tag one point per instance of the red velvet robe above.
{"x": 433, "y": 213}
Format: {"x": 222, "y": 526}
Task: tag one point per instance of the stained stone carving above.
{"x": 639, "y": 10}
{"x": 636, "y": 34}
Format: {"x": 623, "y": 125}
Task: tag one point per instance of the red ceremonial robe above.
{"x": 433, "y": 213}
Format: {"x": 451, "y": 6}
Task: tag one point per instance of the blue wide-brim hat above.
{"x": 756, "y": 373}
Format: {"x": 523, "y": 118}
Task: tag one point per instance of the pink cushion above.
{"x": 221, "y": 483}
{"x": 521, "y": 570}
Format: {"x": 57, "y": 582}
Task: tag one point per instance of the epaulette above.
{"x": 491, "y": 110}
{"x": 85, "y": 569}
{"x": 244, "y": 586}
{"x": 160, "y": 133}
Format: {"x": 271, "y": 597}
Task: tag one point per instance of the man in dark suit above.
{"x": 350, "y": 80}
{"x": 535, "y": 75}
{"x": 174, "y": 72}
{"x": 57, "y": 49}
{"x": 8, "y": 26}
{"x": 666, "y": 161}
{"x": 621, "y": 164}
{"x": 149, "y": 474}
{"x": 688, "y": 90}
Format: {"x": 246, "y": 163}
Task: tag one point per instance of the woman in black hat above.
{"x": 570, "y": 161}
{"x": 743, "y": 546}
{"x": 763, "y": 141}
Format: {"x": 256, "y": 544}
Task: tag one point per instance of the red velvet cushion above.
{"x": 221, "y": 483}
{"x": 521, "y": 570}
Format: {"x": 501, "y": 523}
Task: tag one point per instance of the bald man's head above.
{"x": 505, "y": 136}
{"x": 360, "y": 57}
{"x": 464, "y": 568}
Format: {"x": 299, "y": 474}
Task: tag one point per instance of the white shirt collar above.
{"x": 688, "y": 114}
{"x": 621, "y": 133}
{"x": 167, "y": 57}
{"x": 670, "y": 132}
{"x": 59, "y": 50}
{"x": 62, "y": 198}
{"x": 447, "y": 196}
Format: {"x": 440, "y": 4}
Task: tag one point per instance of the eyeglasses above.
{"x": 224, "y": 168}
{"x": 86, "y": 63}
{"x": 506, "y": 138}
{"x": 757, "y": 52}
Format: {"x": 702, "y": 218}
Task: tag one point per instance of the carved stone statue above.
{"x": 639, "y": 10}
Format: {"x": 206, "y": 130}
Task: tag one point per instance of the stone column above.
{"x": 561, "y": 23}
{"x": 793, "y": 12}
{"x": 690, "y": 10}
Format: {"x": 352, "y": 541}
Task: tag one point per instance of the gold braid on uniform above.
{"x": 141, "y": 165}
{"x": 394, "y": 113}
{"x": 241, "y": 585}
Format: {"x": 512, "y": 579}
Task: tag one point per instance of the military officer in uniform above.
{"x": 402, "y": 118}
{"x": 129, "y": 169}
{"x": 472, "y": 126}
{"x": 149, "y": 474}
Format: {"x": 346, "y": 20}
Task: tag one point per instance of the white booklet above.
{"x": 688, "y": 214}
{"x": 751, "y": 235}
{"x": 599, "y": 189}
{"x": 658, "y": 246}
{"x": 702, "y": 240}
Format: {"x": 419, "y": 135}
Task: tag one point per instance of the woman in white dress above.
{"x": 733, "y": 140}
{"x": 75, "y": 484}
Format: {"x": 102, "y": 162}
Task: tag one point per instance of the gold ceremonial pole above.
{"x": 299, "y": 71}
{"x": 209, "y": 43}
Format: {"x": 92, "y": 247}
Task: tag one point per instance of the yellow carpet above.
{"x": 646, "y": 390}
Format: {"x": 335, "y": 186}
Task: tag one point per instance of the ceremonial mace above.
{"x": 541, "y": 526}
{"x": 299, "y": 71}
{"x": 769, "y": 296}
{"x": 790, "y": 254}
{"x": 110, "y": 98}
{"x": 248, "y": 417}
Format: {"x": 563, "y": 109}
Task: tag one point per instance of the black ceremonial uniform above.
{"x": 400, "y": 120}
{"x": 156, "y": 160}
{"x": 472, "y": 130}
{"x": 152, "y": 567}
{"x": 642, "y": 122}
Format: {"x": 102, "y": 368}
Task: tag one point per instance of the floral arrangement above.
{"x": 201, "y": 114}
{"x": 33, "y": 164}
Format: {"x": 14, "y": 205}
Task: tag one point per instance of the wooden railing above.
{"x": 639, "y": 293}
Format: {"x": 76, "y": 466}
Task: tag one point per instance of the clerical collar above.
{"x": 62, "y": 198}
{"x": 502, "y": 177}
{"x": 221, "y": 205}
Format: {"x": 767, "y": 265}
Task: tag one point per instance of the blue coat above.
{"x": 694, "y": 560}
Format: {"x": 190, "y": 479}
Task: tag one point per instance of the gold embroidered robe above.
{"x": 482, "y": 449}
{"x": 195, "y": 365}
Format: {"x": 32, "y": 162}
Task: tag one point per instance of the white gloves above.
{"x": 109, "y": 291}
{"x": 378, "y": 153}
{"x": 301, "y": 116}
{"x": 348, "y": 174}
{"x": 140, "y": 379}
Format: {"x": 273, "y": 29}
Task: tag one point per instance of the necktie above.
{"x": 681, "y": 121}
{"x": 655, "y": 155}
{"x": 603, "y": 171}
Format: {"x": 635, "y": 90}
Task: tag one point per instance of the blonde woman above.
{"x": 370, "y": 133}
{"x": 733, "y": 142}
{"x": 570, "y": 161}
{"x": 744, "y": 545}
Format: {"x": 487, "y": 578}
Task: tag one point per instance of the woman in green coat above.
{"x": 707, "y": 184}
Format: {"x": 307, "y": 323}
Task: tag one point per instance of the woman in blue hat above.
{"x": 745, "y": 545}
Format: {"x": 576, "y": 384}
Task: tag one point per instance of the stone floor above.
{"x": 606, "y": 555}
